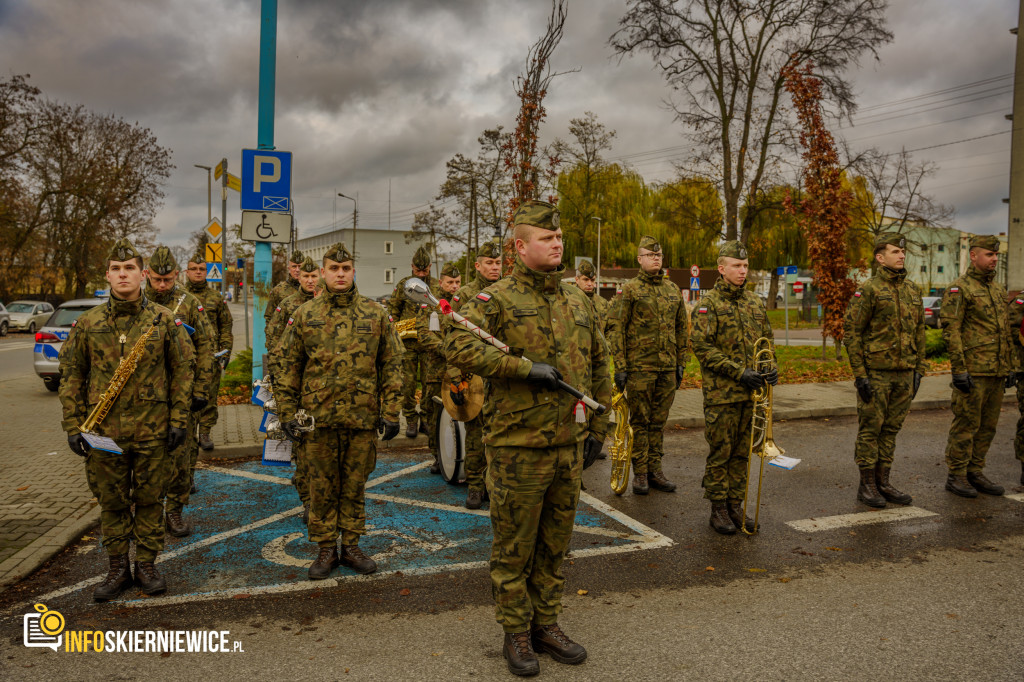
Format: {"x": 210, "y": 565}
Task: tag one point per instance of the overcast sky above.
{"x": 372, "y": 91}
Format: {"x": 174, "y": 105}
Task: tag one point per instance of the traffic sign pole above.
{"x": 224, "y": 220}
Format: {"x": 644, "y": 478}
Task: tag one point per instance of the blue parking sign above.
{"x": 266, "y": 180}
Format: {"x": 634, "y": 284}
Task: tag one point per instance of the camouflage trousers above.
{"x": 136, "y": 478}
{"x": 534, "y": 492}
{"x": 649, "y": 396}
{"x": 413, "y": 369}
{"x": 208, "y": 415}
{"x": 975, "y": 416}
{"x": 300, "y": 479}
{"x": 476, "y": 463}
{"x": 431, "y": 412}
{"x": 879, "y": 421}
{"x": 727, "y": 431}
{"x": 1018, "y": 441}
{"x": 338, "y": 462}
{"x": 184, "y": 458}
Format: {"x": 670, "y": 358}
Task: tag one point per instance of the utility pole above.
{"x": 224, "y": 227}
{"x": 1015, "y": 231}
{"x": 209, "y": 191}
{"x": 262, "y": 260}
{"x": 355, "y": 218}
{"x": 472, "y": 226}
{"x": 597, "y": 265}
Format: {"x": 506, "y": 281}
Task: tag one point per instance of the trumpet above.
{"x": 762, "y": 442}
{"x": 621, "y": 449}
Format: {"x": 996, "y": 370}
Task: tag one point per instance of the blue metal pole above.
{"x": 263, "y": 262}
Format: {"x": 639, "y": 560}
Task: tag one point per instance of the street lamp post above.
{"x": 598, "y": 263}
{"x": 209, "y": 191}
{"x": 355, "y": 219}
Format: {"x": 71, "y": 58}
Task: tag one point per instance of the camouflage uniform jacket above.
{"x": 216, "y": 312}
{"x": 652, "y": 330}
{"x": 545, "y": 320}
{"x": 280, "y": 292}
{"x": 432, "y": 342}
{"x": 341, "y": 361}
{"x": 465, "y": 293}
{"x": 282, "y": 313}
{"x": 975, "y": 326}
{"x": 192, "y": 313}
{"x": 726, "y": 322}
{"x": 156, "y": 396}
{"x": 884, "y": 326}
{"x": 601, "y": 306}
{"x": 1015, "y": 315}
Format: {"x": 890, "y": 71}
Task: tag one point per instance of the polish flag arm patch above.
{"x": 954, "y": 290}
{"x": 201, "y": 308}
{"x": 277, "y": 309}
{"x": 177, "y": 322}
{"x": 455, "y": 298}
{"x": 291, "y": 320}
{"x": 703, "y": 309}
{"x": 1020, "y": 301}
{"x": 857, "y": 294}
{"x": 484, "y": 296}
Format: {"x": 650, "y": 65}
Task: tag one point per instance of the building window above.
{"x": 942, "y": 247}
{"x": 389, "y": 248}
{"x": 924, "y": 268}
{"x": 940, "y": 268}
{"x": 389, "y": 275}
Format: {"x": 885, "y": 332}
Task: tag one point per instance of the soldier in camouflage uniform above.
{"x": 219, "y": 316}
{"x": 648, "y": 344}
{"x": 402, "y": 308}
{"x": 1015, "y": 314}
{"x": 162, "y": 287}
{"x": 983, "y": 362}
{"x": 538, "y": 440}
{"x": 725, "y": 324}
{"x": 341, "y": 362}
{"x": 147, "y": 420}
{"x": 586, "y": 280}
{"x": 488, "y": 271}
{"x": 884, "y": 336}
{"x": 430, "y": 331}
{"x": 284, "y": 289}
{"x": 309, "y": 278}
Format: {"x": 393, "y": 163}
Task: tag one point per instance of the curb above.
{"x": 51, "y": 543}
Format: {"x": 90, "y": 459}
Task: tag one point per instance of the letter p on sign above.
{"x": 259, "y": 163}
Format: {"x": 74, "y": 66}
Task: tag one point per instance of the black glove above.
{"x": 963, "y": 382}
{"x": 620, "y": 380}
{"x": 679, "y": 374}
{"x": 591, "y": 450}
{"x": 198, "y": 404}
{"x": 771, "y": 377}
{"x": 175, "y": 437}
{"x": 458, "y": 398}
{"x": 78, "y": 445}
{"x": 387, "y": 429}
{"x": 863, "y": 387}
{"x": 1011, "y": 379}
{"x": 545, "y": 375}
{"x": 291, "y": 430}
{"x": 917, "y": 383}
{"x": 752, "y": 379}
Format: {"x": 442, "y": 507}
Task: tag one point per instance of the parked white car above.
{"x": 28, "y": 316}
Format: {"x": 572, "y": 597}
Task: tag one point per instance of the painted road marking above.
{"x": 859, "y": 519}
{"x": 1016, "y": 498}
{"x": 16, "y": 346}
{"x": 247, "y": 541}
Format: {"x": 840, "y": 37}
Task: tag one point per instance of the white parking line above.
{"x": 16, "y": 346}
{"x": 859, "y": 519}
{"x": 1016, "y": 498}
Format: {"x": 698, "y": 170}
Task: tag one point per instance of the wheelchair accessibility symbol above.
{"x": 264, "y": 230}
{"x": 266, "y": 226}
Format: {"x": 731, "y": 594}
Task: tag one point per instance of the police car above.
{"x": 52, "y": 336}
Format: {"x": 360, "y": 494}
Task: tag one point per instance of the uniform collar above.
{"x": 890, "y": 275}
{"x": 983, "y": 277}
{"x": 292, "y": 282}
{"x": 654, "y": 279}
{"x": 545, "y": 282}
{"x": 119, "y": 306}
{"x": 306, "y": 296}
{"x": 197, "y": 287}
{"x": 730, "y": 291}
{"x": 484, "y": 283}
{"x": 341, "y": 299}
{"x": 162, "y": 298}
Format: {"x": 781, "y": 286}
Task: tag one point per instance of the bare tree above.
{"x": 725, "y": 59}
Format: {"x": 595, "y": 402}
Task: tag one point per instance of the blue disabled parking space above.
{"x": 248, "y": 537}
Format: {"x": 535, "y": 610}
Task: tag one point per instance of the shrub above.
{"x": 239, "y": 370}
{"x": 934, "y": 344}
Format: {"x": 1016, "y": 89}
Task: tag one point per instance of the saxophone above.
{"x": 406, "y": 329}
{"x": 121, "y": 375}
{"x": 621, "y": 449}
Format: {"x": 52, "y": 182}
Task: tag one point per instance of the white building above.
{"x": 382, "y": 256}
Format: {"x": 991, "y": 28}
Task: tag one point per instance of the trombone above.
{"x": 762, "y": 443}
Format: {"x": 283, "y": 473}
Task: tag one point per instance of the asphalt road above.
{"x": 933, "y": 596}
{"x": 16, "y": 357}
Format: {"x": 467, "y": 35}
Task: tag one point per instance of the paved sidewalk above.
{"x": 45, "y": 503}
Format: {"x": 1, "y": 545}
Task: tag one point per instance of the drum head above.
{"x": 451, "y": 441}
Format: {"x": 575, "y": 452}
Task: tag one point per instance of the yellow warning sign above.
{"x": 214, "y": 253}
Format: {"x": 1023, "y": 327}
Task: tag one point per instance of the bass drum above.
{"x": 451, "y": 441}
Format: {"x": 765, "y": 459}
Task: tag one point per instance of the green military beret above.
{"x": 308, "y": 265}
{"x": 894, "y": 238}
{"x": 537, "y": 213}
{"x": 985, "y": 241}
{"x": 297, "y": 257}
{"x": 489, "y": 250}
{"x": 199, "y": 256}
{"x": 449, "y": 270}
{"x": 650, "y": 243}
{"x": 122, "y": 250}
{"x": 421, "y": 259}
{"x": 733, "y": 249}
{"x": 587, "y": 269}
{"x": 339, "y": 252}
{"x": 162, "y": 261}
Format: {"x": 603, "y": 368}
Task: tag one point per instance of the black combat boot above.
{"x": 119, "y": 579}
{"x": 354, "y": 558}
{"x": 474, "y": 499}
{"x": 435, "y": 466}
{"x": 549, "y": 639}
{"x": 868, "y": 492}
{"x": 958, "y": 485}
{"x": 205, "y": 442}
{"x": 519, "y": 654}
{"x": 980, "y": 482}
{"x": 737, "y": 517}
{"x": 176, "y": 525}
{"x": 1022, "y": 473}
{"x": 423, "y": 427}
{"x": 889, "y": 491}
{"x": 148, "y": 578}
{"x": 640, "y": 485}
{"x": 410, "y": 428}
{"x": 720, "y": 520}
{"x": 657, "y": 480}
{"x": 305, "y": 514}
{"x": 326, "y": 562}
